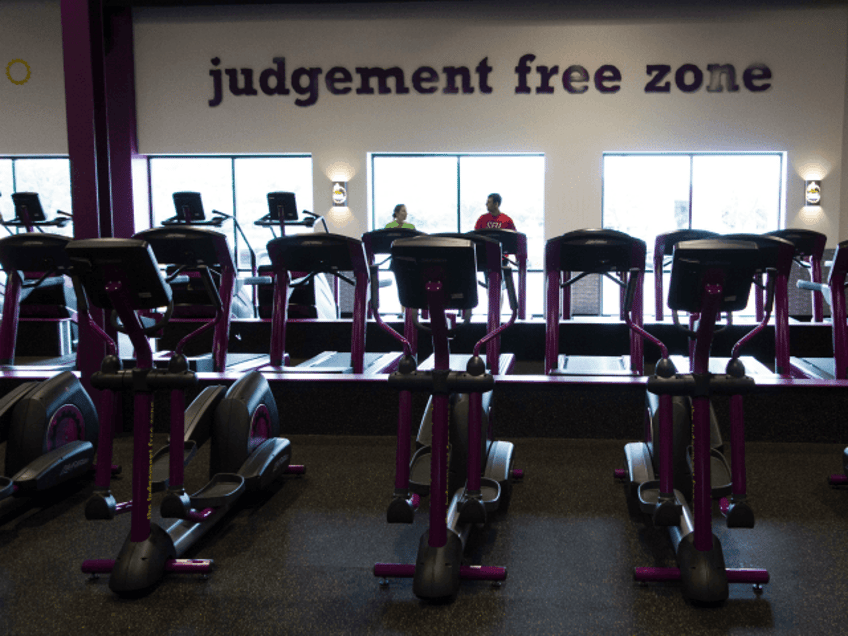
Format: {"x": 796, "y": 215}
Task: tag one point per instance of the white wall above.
{"x": 801, "y": 114}
{"x": 32, "y": 114}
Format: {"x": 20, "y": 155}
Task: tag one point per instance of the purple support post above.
{"x": 659, "y": 255}
{"x": 702, "y": 486}
{"x": 221, "y": 336}
{"x": 737, "y": 446}
{"x": 475, "y": 424}
{"x": 493, "y": 347}
{"x": 666, "y": 446}
{"x": 142, "y": 450}
{"x": 404, "y": 441}
{"x": 357, "y": 336}
{"x": 781, "y": 325}
{"x": 552, "y": 314}
{"x": 521, "y": 258}
{"x": 11, "y": 314}
{"x": 840, "y": 329}
{"x": 279, "y": 318}
{"x": 637, "y": 344}
{"x": 701, "y": 421}
{"x": 410, "y": 330}
{"x": 818, "y": 301}
{"x": 439, "y": 437}
{"x": 177, "y": 436}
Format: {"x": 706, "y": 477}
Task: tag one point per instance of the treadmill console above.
{"x": 450, "y": 261}
{"x": 699, "y": 263}
{"x": 129, "y": 262}
{"x": 598, "y": 251}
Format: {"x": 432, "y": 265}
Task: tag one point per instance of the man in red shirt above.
{"x": 494, "y": 219}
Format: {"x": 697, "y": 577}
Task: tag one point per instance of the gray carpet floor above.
{"x": 299, "y": 561}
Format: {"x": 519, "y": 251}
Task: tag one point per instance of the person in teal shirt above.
{"x": 399, "y": 216}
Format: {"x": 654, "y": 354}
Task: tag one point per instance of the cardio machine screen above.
{"x": 189, "y": 207}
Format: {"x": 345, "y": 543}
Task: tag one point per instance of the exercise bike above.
{"x": 467, "y": 472}
{"x": 665, "y": 474}
{"x": 122, "y": 275}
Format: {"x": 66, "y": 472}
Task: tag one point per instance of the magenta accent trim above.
{"x": 11, "y": 314}
{"x": 493, "y": 345}
{"x": 836, "y": 282}
{"x": 737, "y": 445}
{"x": 410, "y": 330}
{"x": 619, "y": 473}
{"x": 199, "y": 515}
{"x": 415, "y": 500}
{"x": 407, "y": 344}
{"x": 553, "y": 293}
{"x": 123, "y": 507}
{"x": 404, "y": 435}
{"x": 98, "y": 566}
{"x": 659, "y": 257}
{"x": 517, "y": 473}
{"x": 638, "y": 332}
{"x": 295, "y": 469}
{"x": 747, "y": 575}
{"x": 702, "y": 486}
{"x": 360, "y": 296}
{"x": 816, "y": 275}
{"x": 176, "y": 454}
{"x": 438, "y": 535}
{"x": 706, "y": 328}
{"x": 475, "y": 424}
{"x": 521, "y": 258}
{"x": 491, "y": 337}
{"x": 189, "y": 566}
{"x": 482, "y": 573}
{"x": 394, "y": 570}
{"x": 279, "y": 315}
{"x": 637, "y": 346}
{"x": 724, "y": 506}
{"x": 781, "y": 326}
{"x": 838, "y": 480}
{"x": 666, "y": 443}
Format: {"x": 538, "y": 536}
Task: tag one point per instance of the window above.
{"x": 237, "y": 186}
{"x": 447, "y": 193}
{"x": 50, "y": 177}
{"x": 650, "y": 194}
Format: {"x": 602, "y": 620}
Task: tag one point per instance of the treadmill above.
{"x": 324, "y": 254}
{"x": 513, "y": 244}
{"x": 836, "y": 367}
{"x": 610, "y": 253}
{"x": 202, "y": 275}
{"x": 189, "y": 211}
{"x": 809, "y": 253}
{"x": 37, "y": 270}
{"x": 313, "y": 299}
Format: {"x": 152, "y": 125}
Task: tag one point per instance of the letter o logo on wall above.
{"x": 9, "y": 72}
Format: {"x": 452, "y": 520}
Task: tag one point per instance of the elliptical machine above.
{"x": 50, "y": 427}
{"x": 708, "y": 277}
{"x": 467, "y": 472}
{"x": 123, "y": 276}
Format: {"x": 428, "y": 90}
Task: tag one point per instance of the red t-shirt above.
{"x": 499, "y": 222}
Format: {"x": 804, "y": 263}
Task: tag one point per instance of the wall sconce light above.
{"x": 339, "y": 193}
{"x": 812, "y": 192}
